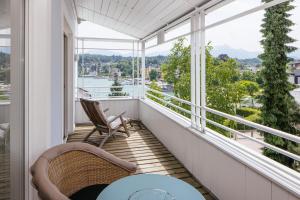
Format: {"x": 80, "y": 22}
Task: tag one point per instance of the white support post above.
{"x": 138, "y": 69}
{"x": 133, "y": 69}
{"x": 143, "y": 69}
{"x": 197, "y": 67}
{"x": 203, "y": 72}
{"x": 193, "y": 73}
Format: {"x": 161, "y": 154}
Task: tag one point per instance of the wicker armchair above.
{"x": 65, "y": 169}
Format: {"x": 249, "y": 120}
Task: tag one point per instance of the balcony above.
{"x": 179, "y": 68}
{"x": 143, "y": 148}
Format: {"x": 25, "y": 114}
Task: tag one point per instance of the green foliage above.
{"x": 153, "y": 74}
{"x": 279, "y": 109}
{"x": 223, "y": 90}
{"x": 3, "y": 97}
{"x": 250, "y": 88}
{"x": 245, "y": 112}
{"x": 117, "y": 92}
{"x": 154, "y": 86}
{"x": 248, "y": 76}
{"x": 176, "y": 69}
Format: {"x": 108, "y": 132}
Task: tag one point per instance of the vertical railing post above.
{"x": 203, "y": 71}
{"x": 198, "y": 70}
{"x": 138, "y": 69}
{"x": 193, "y": 73}
{"x": 143, "y": 69}
{"x": 133, "y": 69}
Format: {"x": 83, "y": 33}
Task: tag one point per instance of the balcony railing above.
{"x": 166, "y": 101}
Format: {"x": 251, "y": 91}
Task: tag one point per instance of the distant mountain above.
{"x": 242, "y": 53}
{"x": 233, "y": 53}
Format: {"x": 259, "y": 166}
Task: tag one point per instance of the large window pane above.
{"x": 168, "y": 71}
{"x": 105, "y": 69}
{"x": 239, "y": 79}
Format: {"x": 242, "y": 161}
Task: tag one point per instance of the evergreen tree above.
{"x": 279, "y": 109}
{"x": 117, "y": 92}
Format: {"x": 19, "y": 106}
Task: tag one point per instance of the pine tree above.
{"x": 116, "y": 89}
{"x": 279, "y": 109}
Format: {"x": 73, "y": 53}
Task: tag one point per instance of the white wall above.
{"x": 70, "y": 29}
{"x": 226, "y": 177}
{"x": 44, "y": 80}
{"x": 116, "y": 106}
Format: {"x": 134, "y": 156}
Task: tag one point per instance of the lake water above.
{"x": 94, "y": 86}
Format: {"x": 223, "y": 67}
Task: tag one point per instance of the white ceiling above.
{"x": 137, "y": 18}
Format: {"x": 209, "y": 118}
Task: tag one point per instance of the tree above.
{"x": 249, "y": 88}
{"x": 279, "y": 109}
{"x": 221, "y": 79}
{"x": 153, "y": 75}
{"x": 118, "y": 90}
{"x": 248, "y": 76}
{"x": 154, "y": 86}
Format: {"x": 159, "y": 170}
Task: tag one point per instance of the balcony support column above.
{"x": 203, "y": 71}
{"x": 138, "y": 69}
{"x": 143, "y": 69}
{"x": 193, "y": 72}
{"x": 133, "y": 69}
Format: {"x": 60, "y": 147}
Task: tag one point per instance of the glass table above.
{"x": 149, "y": 187}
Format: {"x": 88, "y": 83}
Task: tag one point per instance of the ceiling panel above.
{"x": 137, "y": 18}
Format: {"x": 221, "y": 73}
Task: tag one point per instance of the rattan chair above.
{"x": 103, "y": 124}
{"x": 66, "y": 169}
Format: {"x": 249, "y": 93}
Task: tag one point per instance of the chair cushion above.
{"x": 116, "y": 123}
{"x": 89, "y": 193}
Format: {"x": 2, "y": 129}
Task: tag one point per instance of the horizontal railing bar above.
{"x": 104, "y": 49}
{"x": 274, "y": 148}
{"x": 256, "y": 125}
{"x": 171, "y": 104}
{"x": 106, "y": 39}
{"x": 101, "y": 87}
{"x": 178, "y": 99}
{"x": 170, "y": 40}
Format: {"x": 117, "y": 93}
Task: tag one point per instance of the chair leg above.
{"x": 104, "y": 140}
{"x": 86, "y": 137}
{"x": 126, "y": 129}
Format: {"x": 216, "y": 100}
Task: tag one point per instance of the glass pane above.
{"x": 179, "y": 30}
{"x": 168, "y": 72}
{"x": 151, "y": 42}
{"x": 5, "y": 86}
{"x": 233, "y": 8}
{"x": 106, "y": 73}
{"x": 241, "y": 75}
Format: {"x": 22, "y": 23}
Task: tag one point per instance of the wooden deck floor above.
{"x": 144, "y": 149}
{"x": 4, "y": 175}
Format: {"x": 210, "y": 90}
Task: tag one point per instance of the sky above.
{"x": 240, "y": 34}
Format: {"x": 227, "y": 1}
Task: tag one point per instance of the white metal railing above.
{"x": 240, "y": 120}
{"x": 103, "y": 92}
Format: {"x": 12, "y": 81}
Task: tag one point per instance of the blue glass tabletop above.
{"x": 149, "y": 187}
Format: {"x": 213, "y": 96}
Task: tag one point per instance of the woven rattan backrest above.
{"x": 93, "y": 109}
{"x": 74, "y": 170}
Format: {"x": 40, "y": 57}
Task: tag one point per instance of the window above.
{"x": 106, "y": 68}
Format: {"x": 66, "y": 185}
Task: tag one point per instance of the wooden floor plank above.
{"x": 143, "y": 148}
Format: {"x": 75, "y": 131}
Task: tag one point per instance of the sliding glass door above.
{"x": 11, "y": 99}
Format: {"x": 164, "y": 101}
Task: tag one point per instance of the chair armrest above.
{"x": 106, "y": 109}
{"x": 116, "y": 117}
{"x": 102, "y": 154}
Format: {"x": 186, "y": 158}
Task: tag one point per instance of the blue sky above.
{"x": 238, "y": 34}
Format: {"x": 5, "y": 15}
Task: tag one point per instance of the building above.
{"x": 294, "y": 72}
{"x": 43, "y": 110}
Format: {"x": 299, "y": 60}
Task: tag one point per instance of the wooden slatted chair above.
{"x": 103, "y": 124}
